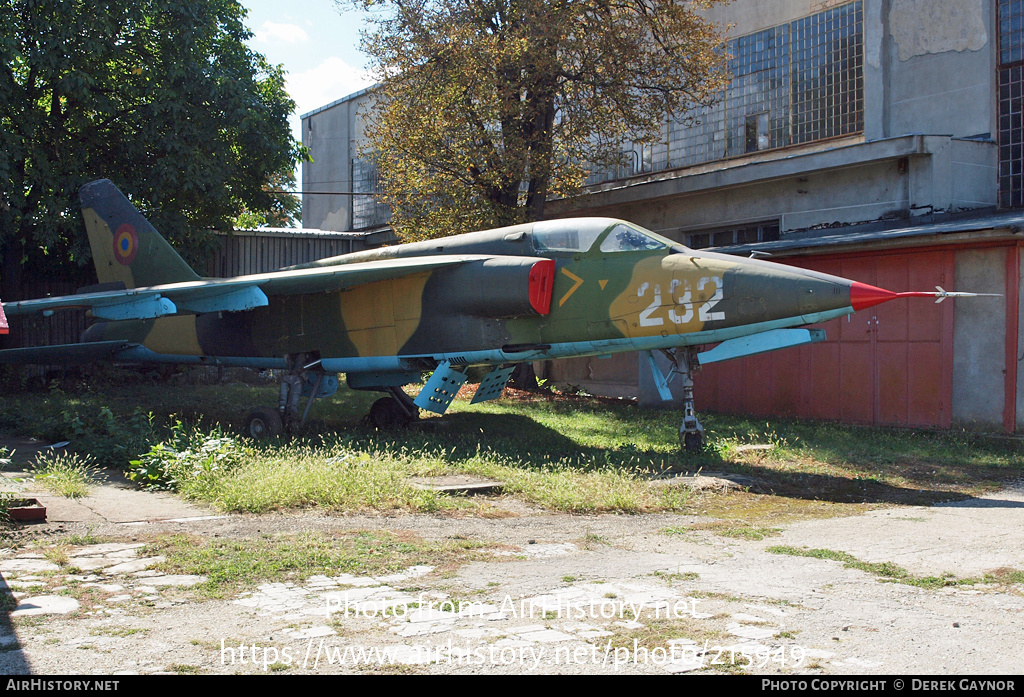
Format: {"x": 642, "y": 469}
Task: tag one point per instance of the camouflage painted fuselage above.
{"x": 607, "y": 297}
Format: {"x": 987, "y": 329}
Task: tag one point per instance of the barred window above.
{"x": 367, "y": 211}
{"x": 1011, "y": 86}
{"x": 793, "y": 83}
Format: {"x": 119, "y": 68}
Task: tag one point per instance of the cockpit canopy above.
{"x": 591, "y": 234}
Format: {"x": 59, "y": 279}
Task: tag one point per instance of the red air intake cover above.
{"x": 542, "y": 283}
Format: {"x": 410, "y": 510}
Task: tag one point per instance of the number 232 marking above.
{"x": 704, "y": 313}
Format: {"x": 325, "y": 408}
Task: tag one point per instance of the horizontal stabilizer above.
{"x": 112, "y": 305}
{"x": 761, "y": 343}
{"x": 89, "y": 352}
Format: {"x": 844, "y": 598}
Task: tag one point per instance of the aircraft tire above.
{"x": 264, "y": 422}
{"x": 386, "y": 413}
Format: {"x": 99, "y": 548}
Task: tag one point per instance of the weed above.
{"x": 184, "y": 669}
{"x": 67, "y": 474}
{"x": 887, "y": 570}
{"x": 568, "y": 453}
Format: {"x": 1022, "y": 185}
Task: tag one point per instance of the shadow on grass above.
{"x": 525, "y": 442}
{"x": 514, "y": 438}
{"x": 839, "y": 489}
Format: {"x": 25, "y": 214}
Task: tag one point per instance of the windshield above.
{"x": 629, "y": 238}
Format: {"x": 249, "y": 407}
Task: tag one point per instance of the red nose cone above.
{"x": 862, "y": 295}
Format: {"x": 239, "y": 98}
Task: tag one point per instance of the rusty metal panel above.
{"x": 889, "y": 364}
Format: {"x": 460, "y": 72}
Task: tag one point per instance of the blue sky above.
{"x": 318, "y": 45}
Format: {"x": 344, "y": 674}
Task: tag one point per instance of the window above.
{"x": 1011, "y": 86}
{"x": 749, "y": 233}
{"x": 793, "y": 83}
{"x": 367, "y": 211}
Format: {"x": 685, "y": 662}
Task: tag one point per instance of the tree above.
{"x": 161, "y": 96}
{"x": 486, "y": 108}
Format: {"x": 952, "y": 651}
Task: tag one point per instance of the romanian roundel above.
{"x": 126, "y": 244}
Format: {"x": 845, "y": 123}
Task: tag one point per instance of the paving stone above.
{"x": 430, "y": 615}
{"x": 422, "y": 628}
{"x": 105, "y": 587}
{"x": 45, "y": 605}
{"x": 542, "y": 550}
{"x": 683, "y": 665}
{"x": 312, "y": 633}
{"x": 133, "y": 566}
{"x": 182, "y": 580}
{"x": 743, "y": 617}
{"x": 30, "y": 564}
{"x": 109, "y": 548}
{"x": 747, "y": 632}
{"x": 545, "y": 636}
{"x": 593, "y": 634}
{"x": 93, "y": 563}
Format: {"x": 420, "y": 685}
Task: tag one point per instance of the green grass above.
{"x": 231, "y": 565}
{"x": 890, "y": 572}
{"x": 568, "y": 453}
{"x": 727, "y": 529}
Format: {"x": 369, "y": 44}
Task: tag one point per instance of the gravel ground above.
{"x": 561, "y": 594}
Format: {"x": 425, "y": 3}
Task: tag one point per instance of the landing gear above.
{"x": 392, "y": 412}
{"x": 261, "y": 423}
{"x": 302, "y": 376}
{"x": 691, "y": 433}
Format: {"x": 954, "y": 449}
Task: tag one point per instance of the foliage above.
{"x": 7, "y": 499}
{"x": 110, "y": 439}
{"x": 161, "y": 96}
{"x": 486, "y": 109}
{"x": 188, "y": 456}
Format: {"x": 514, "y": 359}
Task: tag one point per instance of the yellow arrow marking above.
{"x": 577, "y": 282}
{"x": 603, "y": 283}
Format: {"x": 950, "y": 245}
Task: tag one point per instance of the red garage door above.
{"x": 889, "y": 364}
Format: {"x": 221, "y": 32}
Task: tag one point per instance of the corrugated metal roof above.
{"x": 1011, "y": 222}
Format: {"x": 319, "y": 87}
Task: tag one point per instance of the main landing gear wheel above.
{"x": 386, "y": 414}
{"x": 692, "y": 441}
{"x": 264, "y": 422}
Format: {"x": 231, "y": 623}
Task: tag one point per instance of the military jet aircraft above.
{"x": 497, "y": 298}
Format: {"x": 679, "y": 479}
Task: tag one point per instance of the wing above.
{"x": 232, "y": 294}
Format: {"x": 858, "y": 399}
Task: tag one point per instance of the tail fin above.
{"x": 125, "y": 247}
